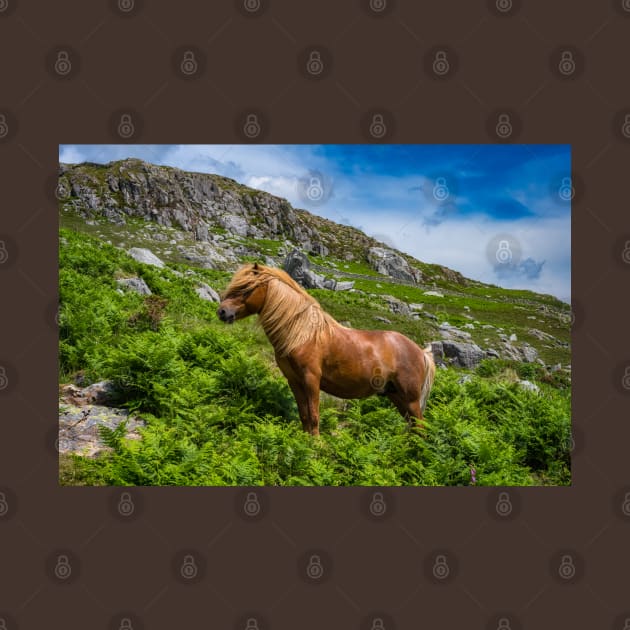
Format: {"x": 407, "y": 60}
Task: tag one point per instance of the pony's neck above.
{"x": 291, "y": 319}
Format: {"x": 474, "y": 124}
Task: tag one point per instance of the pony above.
{"x": 315, "y": 352}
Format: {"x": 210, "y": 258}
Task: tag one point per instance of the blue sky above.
{"x": 454, "y": 205}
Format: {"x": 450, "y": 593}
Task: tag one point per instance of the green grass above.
{"x": 218, "y": 412}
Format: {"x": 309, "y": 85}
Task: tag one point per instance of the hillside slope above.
{"x": 156, "y": 391}
{"x": 212, "y": 222}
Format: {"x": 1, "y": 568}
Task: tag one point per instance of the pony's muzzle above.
{"x": 226, "y": 315}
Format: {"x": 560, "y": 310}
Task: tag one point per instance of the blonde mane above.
{"x": 289, "y": 316}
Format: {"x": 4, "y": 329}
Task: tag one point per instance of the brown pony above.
{"x": 315, "y": 352}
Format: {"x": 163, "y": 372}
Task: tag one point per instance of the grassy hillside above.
{"x": 218, "y": 412}
{"x": 491, "y": 310}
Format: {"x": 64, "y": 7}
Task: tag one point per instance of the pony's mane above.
{"x": 290, "y": 316}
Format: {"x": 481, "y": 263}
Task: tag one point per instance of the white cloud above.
{"x": 396, "y": 207}
{"x": 460, "y": 244}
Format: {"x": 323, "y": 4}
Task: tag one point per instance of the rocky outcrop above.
{"x": 298, "y": 266}
{"x": 204, "y": 206}
{"x": 525, "y": 352}
{"x": 193, "y": 202}
{"x": 397, "y": 306}
{"x": 134, "y": 284}
{"x": 207, "y": 293}
{"x": 145, "y": 256}
{"x": 83, "y": 411}
{"x": 448, "y": 332}
{"x": 208, "y": 255}
{"x": 466, "y": 355}
{"x": 389, "y": 263}
{"x": 79, "y": 428}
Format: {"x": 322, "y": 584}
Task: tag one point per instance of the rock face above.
{"x": 530, "y": 354}
{"x": 145, "y": 256}
{"x": 205, "y": 206}
{"x": 298, "y": 266}
{"x": 135, "y": 284}
{"x": 197, "y": 203}
{"x": 466, "y": 355}
{"x": 82, "y": 411}
{"x": 448, "y": 332}
{"x": 525, "y": 352}
{"x": 389, "y": 263}
{"x": 79, "y": 428}
{"x": 397, "y": 306}
{"x": 207, "y": 293}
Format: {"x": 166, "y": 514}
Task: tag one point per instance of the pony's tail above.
{"x": 429, "y": 375}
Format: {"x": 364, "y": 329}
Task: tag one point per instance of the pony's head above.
{"x": 245, "y": 295}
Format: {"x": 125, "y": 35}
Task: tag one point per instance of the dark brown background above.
{"x": 373, "y": 62}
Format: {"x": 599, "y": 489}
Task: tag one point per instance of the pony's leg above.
{"x": 415, "y": 412}
{"x": 311, "y": 388}
{"x": 409, "y": 410}
{"x": 302, "y": 403}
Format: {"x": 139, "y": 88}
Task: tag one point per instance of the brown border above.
{"x": 505, "y": 60}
